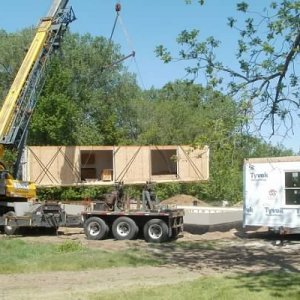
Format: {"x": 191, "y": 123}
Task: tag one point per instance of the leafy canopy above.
{"x": 266, "y": 82}
{"x": 84, "y": 101}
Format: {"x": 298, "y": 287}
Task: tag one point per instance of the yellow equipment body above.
{"x": 11, "y": 188}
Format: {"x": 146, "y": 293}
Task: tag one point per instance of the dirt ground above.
{"x": 189, "y": 257}
{"x": 183, "y": 200}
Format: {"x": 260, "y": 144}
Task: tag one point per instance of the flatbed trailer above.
{"x": 45, "y": 215}
{"x": 156, "y": 226}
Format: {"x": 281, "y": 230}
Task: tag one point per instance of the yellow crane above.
{"x": 22, "y": 96}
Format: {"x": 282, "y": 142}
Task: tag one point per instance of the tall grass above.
{"x": 17, "y": 256}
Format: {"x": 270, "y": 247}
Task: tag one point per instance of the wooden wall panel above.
{"x": 53, "y": 165}
{"x": 132, "y": 164}
{"x": 193, "y": 164}
{"x": 60, "y": 165}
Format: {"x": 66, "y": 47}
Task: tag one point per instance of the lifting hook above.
{"x": 118, "y": 7}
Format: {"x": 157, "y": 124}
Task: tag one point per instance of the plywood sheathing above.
{"x": 53, "y": 165}
{"x": 62, "y": 165}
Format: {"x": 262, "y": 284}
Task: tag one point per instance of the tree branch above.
{"x": 293, "y": 51}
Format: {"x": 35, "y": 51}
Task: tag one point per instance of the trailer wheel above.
{"x": 9, "y": 229}
{"x": 95, "y": 229}
{"x": 124, "y": 228}
{"x": 156, "y": 231}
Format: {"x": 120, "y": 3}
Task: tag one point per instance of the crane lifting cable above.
{"x": 130, "y": 44}
{"x": 117, "y": 9}
{"x": 132, "y": 54}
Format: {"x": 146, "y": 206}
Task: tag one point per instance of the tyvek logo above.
{"x": 273, "y": 211}
{"x": 259, "y": 176}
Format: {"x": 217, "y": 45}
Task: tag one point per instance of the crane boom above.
{"x": 21, "y": 99}
{"x": 11, "y": 102}
{"x": 56, "y": 6}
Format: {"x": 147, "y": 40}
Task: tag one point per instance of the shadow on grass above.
{"x": 224, "y": 227}
{"x": 242, "y": 256}
{"x": 271, "y": 237}
{"x": 283, "y": 285}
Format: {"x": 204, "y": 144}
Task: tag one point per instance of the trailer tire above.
{"x": 124, "y": 228}
{"x": 8, "y": 229}
{"x": 156, "y": 231}
{"x": 95, "y": 229}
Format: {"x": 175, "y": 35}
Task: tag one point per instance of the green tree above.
{"x": 12, "y": 51}
{"x": 85, "y": 100}
{"x": 178, "y": 113}
{"x": 266, "y": 84}
{"x": 54, "y": 122}
{"x": 228, "y": 149}
{"x": 185, "y": 113}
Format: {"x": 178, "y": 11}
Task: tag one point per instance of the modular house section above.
{"x": 272, "y": 192}
{"x": 74, "y": 165}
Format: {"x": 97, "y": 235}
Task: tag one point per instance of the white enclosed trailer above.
{"x": 272, "y": 193}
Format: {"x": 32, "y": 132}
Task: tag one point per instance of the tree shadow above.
{"x": 223, "y": 256}
{"x": 224, "y": 227}
{"x": 283, "y": 285}
{"x": 270, "y": 236}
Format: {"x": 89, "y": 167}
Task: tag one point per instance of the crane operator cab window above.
{"x": 4, "y": 175}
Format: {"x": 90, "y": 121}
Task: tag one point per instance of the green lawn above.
{"x": 265, "y": 286}
{"x": 17, "y": 256}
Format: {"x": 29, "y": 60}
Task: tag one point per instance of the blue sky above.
{"x": 148, "y": 23}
